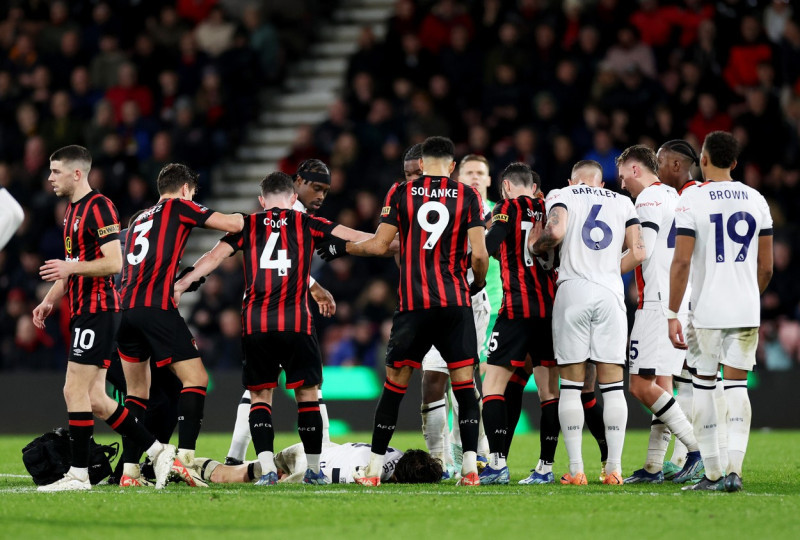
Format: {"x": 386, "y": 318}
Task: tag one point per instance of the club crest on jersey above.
{"x": 500, "y": 217}
{"x": 385, "y": 211}
{"x": 76, "y": 223}
{"x": 110, "y": 229}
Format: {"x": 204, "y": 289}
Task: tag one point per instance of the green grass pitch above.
{"x": 769, "y": 506}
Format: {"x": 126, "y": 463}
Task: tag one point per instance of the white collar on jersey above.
{"x": 299, "y": 206}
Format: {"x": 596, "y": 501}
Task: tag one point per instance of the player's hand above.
{"x": 176, "y": 297}
{"x": 324, "y": 299}
{"x": 476, "y": 287}
{"x": 331, "y": 248}
{"x": 533, "y": 236}
{"x": 676, "y": 334}
{"x": 40, "y": 313}
{"x": 191, "y": 287}
{"x": 55, "y": 269}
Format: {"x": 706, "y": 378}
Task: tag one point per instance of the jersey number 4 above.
{"x": 281, "y": 263}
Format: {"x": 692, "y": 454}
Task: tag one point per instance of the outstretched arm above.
{"x": 378, "y": 245}
{"x": 231, "y": 223}
{"x": 204, "y": 266}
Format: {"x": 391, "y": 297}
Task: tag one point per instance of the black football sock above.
{"x": 261, "y": 427}
{"x": 513, "y": 394}
{"x": 131, "y": 452}
{"x": 309, "y": 426}
{"x": 386, "y": 415}
{"x": 190, "y": 415}
{"x": 81, "y": 427}
{"x": 127, "y": 425}
{"x": 548, "y": 431}
{"x": 494, "y": 422}
{"x": 593, "y": 412}
{"x": 468, "y": 413}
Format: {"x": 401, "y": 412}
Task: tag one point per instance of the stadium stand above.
{"x": 547, "y": 83}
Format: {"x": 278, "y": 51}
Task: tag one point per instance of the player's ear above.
{"x": 452, "y": 166}
{"x": 733, "y": 165}
{"x": 262, "y": 202}
{"x": 293, "y": 198}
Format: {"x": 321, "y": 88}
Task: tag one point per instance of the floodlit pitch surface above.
{"x": 769, "y": 506}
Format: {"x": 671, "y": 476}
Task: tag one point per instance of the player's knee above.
{"x": 433, "y": 386}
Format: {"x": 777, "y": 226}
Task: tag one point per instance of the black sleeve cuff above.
{"x": 685, "y": 232}
{"x": 765, "y": 232}
{"x": 650, "y": 225}
{"x": 556, "y": 205}
{"x": 632, "y": 221}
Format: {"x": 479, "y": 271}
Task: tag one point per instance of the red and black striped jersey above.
{"x": 529, "y": 283}
{"x": 432, "y": 215}
{"x": 278, "y": 245}
{"x": 89, "y": 224}
{"x": 153, "y": 249}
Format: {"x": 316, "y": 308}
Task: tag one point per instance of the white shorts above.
{"x": 651, "y": 352}
{"x": 710, "y": 347}
{"x": 481, "y": 311}
{"x": 589, "y": 323}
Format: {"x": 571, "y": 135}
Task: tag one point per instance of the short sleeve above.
{"x": 474, "y": 210}
{"x": 685, "y": 223}
{"x": 647, "y": 209}
{"x": 391, "y": 207}
{"x": 766, "y": 217}
{"x": 193, "y": 214}
{"x": 553, "y": 197}
{"x": 319, "y": 227}
{"x": 501, "y": 215}
{"x": 105, "y": 225}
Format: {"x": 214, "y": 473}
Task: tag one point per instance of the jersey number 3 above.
{"x": 140, "y": 242}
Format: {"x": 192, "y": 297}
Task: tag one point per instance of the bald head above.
{"x": 588, "y": 172}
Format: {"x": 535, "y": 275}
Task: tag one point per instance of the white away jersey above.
{"x": 592, "y": 246}
{"x": 655, "y": 207}
{"x": 726, "y": 219}
{"x": 338, "y": 461}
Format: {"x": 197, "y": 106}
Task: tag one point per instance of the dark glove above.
{"x": 476, "y": 287}
{"x": 331, "y": 248}
{"x": 195, "y": 284}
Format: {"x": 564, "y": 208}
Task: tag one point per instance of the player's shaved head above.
{"x": 277, "y": 183}
{"x": 75, "y": 155}
{"x": 587, "y": 171}
{"x": 418, "y": 467}
{"x": 722, "y": 149}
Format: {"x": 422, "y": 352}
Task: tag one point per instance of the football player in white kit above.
{"x": 11, "y": 216}
{"x": 652, "y": 361}
{"x": 589, "y": 319}
{"x": 724, "y": 234}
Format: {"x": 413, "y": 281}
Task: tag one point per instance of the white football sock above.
{"x": 667, "y": 410}
{"x": 131, "y": 469}
{"x": 570, "y": 415}
{"x": 470, "y": 463}
{"x": 739, "y": 416}
{"x": 705, "y": 426}
{"x": 326, "y": 423}
{"x": 722, "y": 423}
{"x": 615, "y": 417}
{"x": 375, "y": 466}
{"x": 684, "y": 399}
{"x": 657, "y": 445}
{"x": 313, "y": 462}
{"x": 455, "y": 433}
{"x": 496, "y": 461}
{"x": 267, "y": 461}
{"x": 81, "y": 473}
{"x": 544, "y": 468}
{"x": 241, "y": 429}
{"x": 434, "y": 422}
{"x": 154, "y": 450}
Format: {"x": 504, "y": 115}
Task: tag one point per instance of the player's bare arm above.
{"x": 232, "y": 223}
{"x": 352, "y": 235}
{"x": 480, "y": 257}
{"x": 378, "y": 245}
{"x": 204, "y": 266}
{"x": 43, "y": 310}
{"x": 637, "y": 250}
{"x": 764, "y": 268}
{"x": 324, "y": 299}
{"x": 678, "y": 278}
{"x": 107, "y": 265}
{"x": 541, "y": 241}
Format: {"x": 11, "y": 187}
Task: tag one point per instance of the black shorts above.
{"x": 514, "y": 339}
{"x": 450, "y": 329}
{"x": 157, "y": 334}
{"x": 92, "y": 336}
{"x": 266, "y": 353}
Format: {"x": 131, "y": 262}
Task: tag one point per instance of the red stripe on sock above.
{"x": 494, "y": 397}
{"x": 590, "y": 404}
{"x": 121, "y": 419}
{"x": 307, "y": 409}
{"x": 388, "y": 385}
{"x": 516, "y": 379}
{"x": 81, "y": 423}
{"x": 195, "y": 390}
{"x": 549, "y": 402}
{"x": 401, "y": 386}
{"x": 261, "y": 406}
{"x": 139, "y": 403}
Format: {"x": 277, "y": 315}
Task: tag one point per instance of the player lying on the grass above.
{"x": 652, "y": 359}
{"x": 337, "y": 461}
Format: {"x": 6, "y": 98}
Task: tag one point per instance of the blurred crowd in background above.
{"x": 544, "y": 82}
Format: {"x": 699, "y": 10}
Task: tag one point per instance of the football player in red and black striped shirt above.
{"x": 437, "y": 219}
{"x": 522, "y": 334}
{"x": 151, "y": 326}
{"x": 92, "y": 257}
{"x": 277, "y": 326}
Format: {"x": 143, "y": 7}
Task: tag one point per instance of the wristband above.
{"x": 671, "y": 314}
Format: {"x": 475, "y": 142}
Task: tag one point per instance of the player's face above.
{"x": 412, "y": 169}
{"x": 666, "y": 167}
{"x": 312, "y": 194}
{"x": 627, "y": 180}
{"x": 62, "y": 178}
{"x": 476, "y": 175}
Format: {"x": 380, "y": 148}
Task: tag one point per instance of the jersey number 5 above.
{"x": 435, "y": 228}
{"x": 596, "y": 234}
{"x": 281, "y": 263}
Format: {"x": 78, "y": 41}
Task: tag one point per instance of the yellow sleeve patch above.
{"x": 386, "y": 210}
{"x": 110, "y": 229}
{"x": 500, "y": 217}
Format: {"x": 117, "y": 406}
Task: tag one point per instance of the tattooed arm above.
{"x": 541, "y": 241}
{"x": 637, "y": 252}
